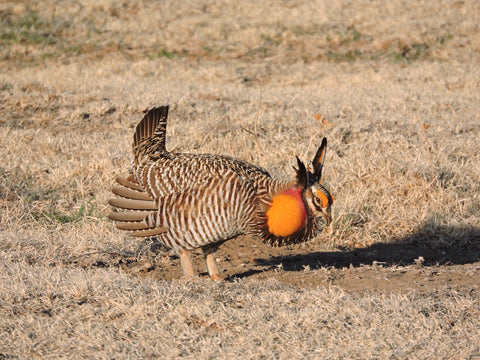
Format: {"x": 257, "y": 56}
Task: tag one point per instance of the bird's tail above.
{"x": 141, "y": 209}
{"x": 149, "y": 137}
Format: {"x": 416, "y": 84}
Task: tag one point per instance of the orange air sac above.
{"x": 287, "y": 213}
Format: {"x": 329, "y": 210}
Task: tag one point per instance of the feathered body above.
{"x": 199, "y": 201}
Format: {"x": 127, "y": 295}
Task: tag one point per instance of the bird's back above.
{"x": 173, "y": 173}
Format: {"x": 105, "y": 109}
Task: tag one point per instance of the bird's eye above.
{"x": 322, "y": 199}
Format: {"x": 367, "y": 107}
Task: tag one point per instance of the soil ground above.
{"x": 381, "y": 268}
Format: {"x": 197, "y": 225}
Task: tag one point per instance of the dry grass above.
{"x": 399, "y": 88}
{"x": 108, "y": 314}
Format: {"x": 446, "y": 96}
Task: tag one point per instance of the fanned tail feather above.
{"x": 130, "y": 194}
{"x": 141, "y": 209}
{"x": 132, "y": 226}
{"x": 129, "y": 182}
{"x": 132, "y": 204}
{"x": 129, "y": 216}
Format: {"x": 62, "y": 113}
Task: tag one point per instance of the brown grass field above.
{"x": 394, "y": 86}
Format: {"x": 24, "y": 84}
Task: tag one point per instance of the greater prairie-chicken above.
{"x": 193, "y": 201}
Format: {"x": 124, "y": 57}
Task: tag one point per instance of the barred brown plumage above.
{"x": 193, "y": 201}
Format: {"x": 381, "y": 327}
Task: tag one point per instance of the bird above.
{"x": 190, "y": 201}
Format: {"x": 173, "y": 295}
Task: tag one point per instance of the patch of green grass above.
{"x": 304, "y": 30}
{"x": 74, "y": 49}
{"x": 261, "y": 51}
{"x": 215, "y": 50}
{"x": 46, "y": 56}
{"x": 350, "y": 55}
{"x": 350, "y": 35}
{"x": 56, "y": 216}
{"x": 165, "y": 53}
{"x": 30, "y": 20}
{"x": 208, "y": 49}
{"x": 16, "y": 185}
{"x": 356, "y": 35}
{"x": 158, "y": 54}
{"x": 29, "y": 28}
{"x": 8, "y": 37}
{"x": 352, "y": 221}
{"x": 270, "y": 41}
{"x": 411, "y": 53}
{"x": 443, "y": 39}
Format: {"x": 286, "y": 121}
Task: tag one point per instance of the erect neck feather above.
{"x": 287, "y": 213}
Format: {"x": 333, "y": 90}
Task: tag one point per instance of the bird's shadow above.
{"x": 432, "y": 244}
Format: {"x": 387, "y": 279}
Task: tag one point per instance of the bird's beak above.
{"x": 328, "y": 219}
{"x": 323, "y": 221}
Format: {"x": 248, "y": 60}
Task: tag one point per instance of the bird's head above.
{"x": 294, "y": 214}
{"x": 317, "y": 198}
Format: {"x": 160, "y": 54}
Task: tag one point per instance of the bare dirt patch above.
{"x": 381, "y": 268}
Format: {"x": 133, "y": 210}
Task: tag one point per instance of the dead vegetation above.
{"x": 396, "y": 91}
{"x": 107, "y": 314}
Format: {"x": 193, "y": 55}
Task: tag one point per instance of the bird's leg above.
{"x": 211, "y": 265}
{"x": 186, "y": 262}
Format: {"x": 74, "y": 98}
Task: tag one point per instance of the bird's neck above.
{"x": 287, "y": 213}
